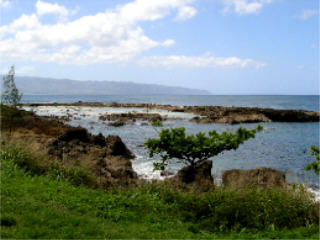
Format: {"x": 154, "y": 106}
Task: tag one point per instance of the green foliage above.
{"x": 36, "y": 165}
{"x": 41, "y": 207}
{"x": 315, "y": 166}
{"x": 157, "y": 123}
{"x": 10, "y": 94}
{"x": 174, "y": 143}
{"x": 11, "y": 117}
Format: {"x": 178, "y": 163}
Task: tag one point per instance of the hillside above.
{"x": 51, "y": 86}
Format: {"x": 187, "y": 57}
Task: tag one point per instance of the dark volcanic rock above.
{"x": 118, "y": 123}
{"x": 209, "y": 114}
{"x": 78, "y": 133}
{"x": 131, "y": 116}
{"x": 107, "y": 158}
{"x": 115, "y": 147}
{"x": 262, "y": 177}
{"x": 99, "y": 140}
{"x": 200, "y": 172}
{"x": 233, "y": 115}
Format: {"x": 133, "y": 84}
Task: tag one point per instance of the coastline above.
{"x": 208, "y": 114}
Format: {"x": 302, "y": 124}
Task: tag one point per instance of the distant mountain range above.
{"x": 51, "y": 86}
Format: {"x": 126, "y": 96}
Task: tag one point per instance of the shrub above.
{"x": 174, "y": 143}
{"x": 157, "y": 123}
{"x": 315, "y": 166}
{"x": 228, "y": 209}
{"x": 36, "y": 165}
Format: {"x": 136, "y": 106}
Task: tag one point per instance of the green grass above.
{"x": 157, "y": 123}
{"x": 39, "y": 206}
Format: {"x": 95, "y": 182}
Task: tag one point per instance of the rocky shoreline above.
{"x": 108, "y": 160}
{"x": 205, "y": 114}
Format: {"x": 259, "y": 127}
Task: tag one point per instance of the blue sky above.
{"x": 224, "y": 46}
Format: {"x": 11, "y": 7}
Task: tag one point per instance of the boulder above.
{"x": 115, "y": 147}
{"x": 201, "y": 120}
{"x": 118, "y": 123}
{"x": 262, "y": 177}
{"x": 107, "y": 158}
{"x": 99, "y": 140}
{"x": 198, "y": 173}
{"x": 243, "y": 118}
{"x": 117, "y": 170}
{"x": 76, "y": 133}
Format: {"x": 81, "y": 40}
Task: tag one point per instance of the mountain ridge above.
{"x": 52, "y": 86}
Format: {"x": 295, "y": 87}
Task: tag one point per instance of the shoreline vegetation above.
{"x": 60, "y": 181}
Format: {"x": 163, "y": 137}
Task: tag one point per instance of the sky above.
{"x": 224, "y": 46}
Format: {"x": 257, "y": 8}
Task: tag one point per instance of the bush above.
{"x": 252, "y": 208}
{"x": 174, "y": 143}
{"x": 11, "y": 117}
{"x": 36, "y": 165}
{"x": 315, "y": 166}
{"x": 157, "y": 123}
{"x": 28, "y": 120}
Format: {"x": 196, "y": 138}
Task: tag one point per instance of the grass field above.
{"x": 40, "y": 206}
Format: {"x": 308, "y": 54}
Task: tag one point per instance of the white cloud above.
{"x": 244, "y": 7}
{"x": 307, "y": 13}
{"x": 44, "y": 8}
{"x": 110, "y": 36}
{"x": 203, "y": 61}
{"x": 168, "y": 43}
{"x": 4, "y": 3}
{"x": 186, "y": 12}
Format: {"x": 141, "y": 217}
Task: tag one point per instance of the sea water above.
{"x": 283, "y": 146}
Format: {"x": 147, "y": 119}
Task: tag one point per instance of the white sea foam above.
{"x": 145, "y": 170}
{"x": 315, "y": 193}
{"x": 98, "y": 111}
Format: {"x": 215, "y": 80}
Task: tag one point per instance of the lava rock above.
{"x": 262, "y": 177}
{"x": 116, "y": 147}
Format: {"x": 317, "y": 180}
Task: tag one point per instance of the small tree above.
{"x": 11, "y": 97}
{"x": 10, "y": 94}
{"x": 190, "y": 149}
{"x": 315, "y": 166}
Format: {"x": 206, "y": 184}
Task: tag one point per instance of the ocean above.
{"x": 310, "y": 102}
{"x": 283, "y": 146}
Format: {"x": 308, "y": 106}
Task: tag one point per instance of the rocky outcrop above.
{"x": 198, "y": 173}
{"x": 197, "y": 178}
{"x": 107, "y": 158}
{"x": 120, "y": 119}
{"x": 261, "y": 177}
{"x": 207, "y": 114}
{"x": 116, "y": 170}
{"x": 233, "y": 115}
{"x": 115, "y": 147}
{"x": 118, "y": 123}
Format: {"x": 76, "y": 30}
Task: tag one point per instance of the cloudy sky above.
{"x": 224, "y": 46}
